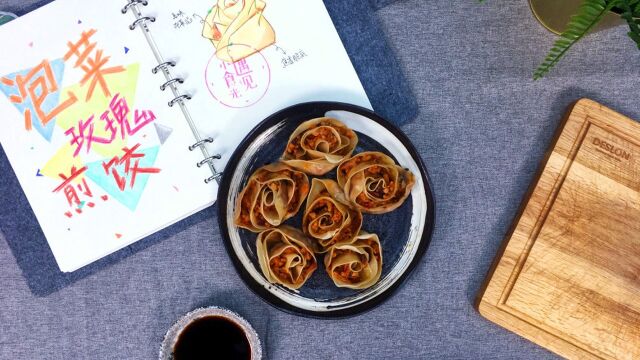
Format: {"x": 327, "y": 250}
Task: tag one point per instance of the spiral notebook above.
{"x": 118, "y": 118}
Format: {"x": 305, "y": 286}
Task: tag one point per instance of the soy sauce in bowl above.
{"x": 212, "y": 337}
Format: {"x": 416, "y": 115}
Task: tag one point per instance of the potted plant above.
{"x": 589, "y": 14}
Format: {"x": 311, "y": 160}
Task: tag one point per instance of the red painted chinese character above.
{"x": 127, "y": 159}
{"x": 35, "y": 87}
{"x": 70, "y": 191}
{"x": 229, "y": 79}
{"x": 94, "y": 67}
{"x": 241, "y": 67}
{"x": 120, "y": 110}
{"x": 248, "y": 82}
{"x": 84, "y": 44}
{"x": 109, "y": 126}
{"x": 85, "y": 133}
{"x": 140, "y": 119}
{"x": 95, "y": 71}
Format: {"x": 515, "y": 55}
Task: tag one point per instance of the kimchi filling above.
{"x": 325, "y": 135}
{"x": 348, "y": 231}
{"x": 328, "y": 212}
{"x": 278, "y": 264}
{"x": 309, "y": 262}
{"x": 245, "y": 206}
{"x": 301, "y": 187}
{"x": 380, "y": 195}
{"x": 257, "y": 214}
{"x": 342, "y": 130}
{"x": 352, "y": 272}
{"x": 271, "y": 190}
{"x": 274, "y": 186}
{"x": 375, "y": 248}
{"x": 347, "y": 166}
{"x": 301, "y": 190}
{"x": 294, "y": 148}
{"x": 384, "y": 187}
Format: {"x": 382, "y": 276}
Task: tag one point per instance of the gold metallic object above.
{"x": 555, "y": 14}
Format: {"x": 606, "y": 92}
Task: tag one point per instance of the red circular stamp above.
{"x": 238, "y": 84}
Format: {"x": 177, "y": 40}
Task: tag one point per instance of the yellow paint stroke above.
{"x": 61, "y": 163}
{"x": 123, "y": 83}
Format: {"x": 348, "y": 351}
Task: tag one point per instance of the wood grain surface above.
{"x": 568, "y": 274}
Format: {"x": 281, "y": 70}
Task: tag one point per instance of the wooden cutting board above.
{"x": 568, "y": 275}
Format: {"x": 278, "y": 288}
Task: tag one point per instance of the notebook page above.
{"x": 244, "y": 60}
{"x": 100, "y": 156}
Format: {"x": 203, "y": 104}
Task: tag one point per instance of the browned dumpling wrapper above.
{"x": 317, "y": 146}
{"x": 374, "y": 183}
{"x": 286, "y": 256}
{"x": 273, "y": 194}
{"x": 328, "y": 218}
{"x": 355, "y": 265}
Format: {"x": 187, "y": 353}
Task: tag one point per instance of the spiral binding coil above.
{"x": 142, "y": 20}
{"x": 133, "y": 3}
{"x": 200, "y": 143}
{"x": 163, "y": 87}
{"x": 179, "y": 99}
{"x": 215, "y": 177}
{"x": 163, "y": 66}
{"x": 210, "y": 158}
{"x": 171, "y": 83}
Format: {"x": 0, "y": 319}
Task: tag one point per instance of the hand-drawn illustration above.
{"x": 238, "y": 29}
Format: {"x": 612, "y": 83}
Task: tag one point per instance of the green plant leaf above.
{"x": 628, "y": 8}
{"x": 589, "y": 14}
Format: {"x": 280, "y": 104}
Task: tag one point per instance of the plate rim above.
{"x": 223, "y": 197}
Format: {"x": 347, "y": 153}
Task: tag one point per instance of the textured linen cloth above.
{"x": 482, "y": 129}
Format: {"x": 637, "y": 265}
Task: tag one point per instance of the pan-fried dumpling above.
{"x": 355, "y": 265}
{"x": 317, "y": 146}
{"x": 328, "y": 218}
{"x": 286, "y": 256}
{"x": 273, "y": 194}
{"x": 374, "y": 183}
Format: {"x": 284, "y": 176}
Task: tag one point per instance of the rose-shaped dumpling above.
{"x": 273, "y": 194}
{"x": 355, "y": 265}
{"x": 328, "y": 218}
{"x": 317, "y": 146}
{"x": 286, "y": 256}
{"x": 374, "y": 183}
{"x": 238, "y": 29}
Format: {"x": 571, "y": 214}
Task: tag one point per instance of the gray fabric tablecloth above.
{"x": 483, "y": 127}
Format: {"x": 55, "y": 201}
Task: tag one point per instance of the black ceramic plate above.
{"x": 404, "y": 233}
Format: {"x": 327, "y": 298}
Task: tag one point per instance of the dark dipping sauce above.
{"x": 212, "y": 337}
